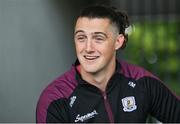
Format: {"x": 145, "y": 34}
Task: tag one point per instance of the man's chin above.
{"x": 91, "y": 70}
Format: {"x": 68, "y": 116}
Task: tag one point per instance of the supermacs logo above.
{"x": 85, "y": 117}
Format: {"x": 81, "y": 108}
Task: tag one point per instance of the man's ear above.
{"x": 119, "y": 41}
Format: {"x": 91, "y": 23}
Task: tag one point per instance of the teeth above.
{"x": 91, "y": 57}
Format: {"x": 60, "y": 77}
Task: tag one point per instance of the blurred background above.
{"x": 36, "y": 46}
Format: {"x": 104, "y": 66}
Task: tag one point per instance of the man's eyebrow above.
{"x": 100, "y": 33}
{"x": 79, "y": 31}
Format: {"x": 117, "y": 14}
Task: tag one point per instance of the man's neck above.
{"x": 101, "y": 78}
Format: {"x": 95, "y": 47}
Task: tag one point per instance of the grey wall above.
{"x": 36, "y": 46}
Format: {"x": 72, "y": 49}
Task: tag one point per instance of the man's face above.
{"x": 96, "y": 43}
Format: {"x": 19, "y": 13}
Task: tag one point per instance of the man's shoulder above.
{"x": 60, "y": 88}
{"x": 63, "y": 85}
{"x": 134, "y": 71}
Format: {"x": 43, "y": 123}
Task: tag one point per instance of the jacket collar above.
{"x": 83, "y": 82}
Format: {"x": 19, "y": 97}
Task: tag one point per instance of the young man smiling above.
{"x": 100, "y": 88}
{"x": 96, "y": 42}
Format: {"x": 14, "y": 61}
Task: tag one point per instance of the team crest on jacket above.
{"x": 129, "y": 104}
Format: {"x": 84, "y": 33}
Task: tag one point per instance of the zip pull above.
{"x": 105, "y": 96}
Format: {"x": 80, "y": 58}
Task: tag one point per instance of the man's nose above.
{"x": 89, "y": 46}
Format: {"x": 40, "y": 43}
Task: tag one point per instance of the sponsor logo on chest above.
{"x": 85, "y": 117}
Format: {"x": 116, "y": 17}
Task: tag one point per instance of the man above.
{"x": 100, "y": 88}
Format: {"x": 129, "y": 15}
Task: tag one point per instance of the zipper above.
{"x": 108, "y": 107}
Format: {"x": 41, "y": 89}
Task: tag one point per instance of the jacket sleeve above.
{"x": 164, "y": 105}
{"x": 57, "y": 112}
{"x": 51, "y": 107}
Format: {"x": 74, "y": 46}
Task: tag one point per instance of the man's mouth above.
{"x": 90, "y": 57}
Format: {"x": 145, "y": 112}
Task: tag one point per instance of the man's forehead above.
{"x": 92, "y": 23}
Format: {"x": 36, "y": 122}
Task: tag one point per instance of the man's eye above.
{"x": 80, "y": 38}
{"x": 99, "y": 38}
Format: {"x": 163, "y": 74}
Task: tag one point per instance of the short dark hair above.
{"x": 117, "y": 17}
